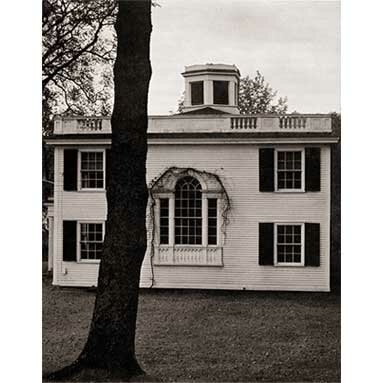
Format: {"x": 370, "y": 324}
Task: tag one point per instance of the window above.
{"x": 212, "y": 221}
{"x": 196, "y": 90}
{"x": 91, "y": 240}
{"x": 164, "y": 221}
{"x": 188, "y": 212}
{"x": 221, "y": 92}
{"x": 289, "y": 170}
{"x": 92, "y": 169}
{"x": 188, "y": 218}
{"x": 289, "y": 244}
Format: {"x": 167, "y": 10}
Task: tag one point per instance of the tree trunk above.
{"x": 111, "y": 340}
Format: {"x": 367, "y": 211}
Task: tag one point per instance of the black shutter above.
{"x": 266, "y": 244}
{"x": 69, "y": 241}
{"x": 70, "y": 169}
{"x": 266, "y": 170}
{"x": 312, "y": 169}
{"x": 312, "y": 244}
{"x": 107, "y": 167}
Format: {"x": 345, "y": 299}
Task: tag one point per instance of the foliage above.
{"x": 256, "y": 96}
{"x": 181, "y": 103}
{"x": 78, "y": 53}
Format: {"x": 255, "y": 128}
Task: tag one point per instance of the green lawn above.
{"x": 210, "y": 335}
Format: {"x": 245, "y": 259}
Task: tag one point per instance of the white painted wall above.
{"x": 237, "y": 166}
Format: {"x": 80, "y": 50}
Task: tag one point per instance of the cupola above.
{"x": 211, "y": 87}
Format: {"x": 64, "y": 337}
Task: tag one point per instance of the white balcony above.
{"x": 204, "y": 124}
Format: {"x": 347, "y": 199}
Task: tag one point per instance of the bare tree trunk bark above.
{"x": 111, "y": 340}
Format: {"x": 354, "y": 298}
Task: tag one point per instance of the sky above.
{"x": 294, "y": 44}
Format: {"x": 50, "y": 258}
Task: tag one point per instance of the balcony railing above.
{"x": 292, "y": 122}
{"x": 89, "y": 124}
{"x": 204, "y": 124}
{"x": 243, "y": 122}
{"x": 188, "y": 255}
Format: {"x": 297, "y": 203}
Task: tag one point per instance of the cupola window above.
{"x": 196, "y": 89}
{"x": 221, "y": 92}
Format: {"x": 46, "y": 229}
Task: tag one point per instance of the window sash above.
{"x": 164, "y": 221}
{"x": 188, "y": 212}
{"x": 212, "y": 221}
{"x": 90, "y": 241}
{"x": 289, "y": 170}
{"x": 92, "y": 170}
{"x": 289, "y": 244}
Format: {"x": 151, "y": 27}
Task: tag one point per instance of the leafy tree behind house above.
{"x": 257, "y": 96}
{"x": 78, "y": 50}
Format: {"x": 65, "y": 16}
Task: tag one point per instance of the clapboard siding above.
{"x": 236, "y": 165}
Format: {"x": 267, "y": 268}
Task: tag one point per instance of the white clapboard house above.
{"x": 236, "y": 201}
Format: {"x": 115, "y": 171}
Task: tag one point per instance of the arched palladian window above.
{"x": 188, "y": 218}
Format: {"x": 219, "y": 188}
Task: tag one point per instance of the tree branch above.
{"x": 102, "y": 57}
{"x": 78, "y": 54}
{"x": 69, "y": 106}
{"x": 80, "y": 86}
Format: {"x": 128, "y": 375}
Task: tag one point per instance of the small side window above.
{"x": 212, "y": 223}
{"x": 164, "y": 221}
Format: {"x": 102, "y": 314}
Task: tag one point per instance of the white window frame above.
{"x": 289, "y": 264}
{"x": 78, "y": 246}
{"x": 92, "y": 150}
{"x": 303, "y": 186}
